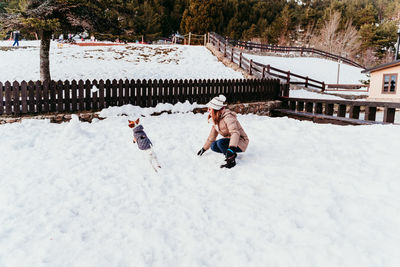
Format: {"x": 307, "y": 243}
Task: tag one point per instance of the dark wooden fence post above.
{"x": 107, "y": 100}
{"x": 15, "y": 96}
{"x": 24, "y": 97}
{"x": 232, "y": 51}
{"x": 74, "y": 96}
{"x": 67, "y": 96}
{"x": 95, "y": 98}
{"x": 53, "y": 96}
{"x": 306, "y": 84}
{"x": 8, "y": 98}
{"x": 114, "y": 92}
{"x": 120, "y": 92}
{"x": 31, "y": 95}
{"x": 288, "y": 77}
{"x": 240, "y": 60}
{"x": 59, "y": 91}
{"x": 81, "y": 91}
{"x": 42, "y": 96}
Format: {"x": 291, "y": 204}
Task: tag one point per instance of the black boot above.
{"x": 230, "y": 162}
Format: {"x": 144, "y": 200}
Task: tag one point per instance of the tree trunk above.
{"x": 45, "y": 56}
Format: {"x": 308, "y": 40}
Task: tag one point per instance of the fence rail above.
{"x": 347, "y": 112}
{"x": 261, "y": 70}
{"x": 36, "y": 97}
{"x": 288, "y": 49}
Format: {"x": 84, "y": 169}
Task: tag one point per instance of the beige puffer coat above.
{"x": 228, "y": 127}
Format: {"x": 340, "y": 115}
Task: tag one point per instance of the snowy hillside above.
{"x": 80, "y": 194}
{"x": 113, "y": 62}
{"x": 316, "y": 68}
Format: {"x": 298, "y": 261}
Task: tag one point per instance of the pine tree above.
{"x": 203, "y": 16}
{"x": 50, "y": 16}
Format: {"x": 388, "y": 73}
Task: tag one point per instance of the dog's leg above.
{"x": 153, "y": 159}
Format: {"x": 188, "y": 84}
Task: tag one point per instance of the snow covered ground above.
{"x": 316, "y": 68}
{"x": 303, "y": 194}
{"x": 80, "y": 194}
{"x": 302, "y": 93}
{"x": 112, "y": 62}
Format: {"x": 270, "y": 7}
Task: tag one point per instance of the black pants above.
{"x": 221, "y": 145}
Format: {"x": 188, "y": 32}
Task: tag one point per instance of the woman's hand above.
{"x": 201, "y": 151}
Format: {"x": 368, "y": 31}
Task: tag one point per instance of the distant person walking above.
{"x": 16, "y": 38}
{"x": 225, "y": 123}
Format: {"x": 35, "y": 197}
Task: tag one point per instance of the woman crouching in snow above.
{"x": 226, "y": 124}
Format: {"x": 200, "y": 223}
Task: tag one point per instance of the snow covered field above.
{"x": 112, "y": 62}
{"x": 80, "y": 194}
{"x": 316, "y": 68}
{"x": 304, "y": 194}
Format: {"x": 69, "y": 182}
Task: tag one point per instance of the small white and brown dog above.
{"x": 144, "y": 143}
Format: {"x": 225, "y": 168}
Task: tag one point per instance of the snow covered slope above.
{"x": 304, "y": 194}
{"x": 113, "y": 62}
{"x": 316, "y": 68}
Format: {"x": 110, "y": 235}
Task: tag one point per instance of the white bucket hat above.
{"x": 217, "y": 102}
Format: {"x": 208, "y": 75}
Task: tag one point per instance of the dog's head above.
{"x": 133, "y": 124}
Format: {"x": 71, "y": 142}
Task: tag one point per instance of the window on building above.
{"x": 389, "y": 83}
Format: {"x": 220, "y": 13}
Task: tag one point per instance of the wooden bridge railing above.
{"x": 288, "y": 49}
{"x": 336, "y": 110}
{"x": 36, "y": 97}
{"x": 261, "y": 70}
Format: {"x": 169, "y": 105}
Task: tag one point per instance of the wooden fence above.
{"x": 34, "y": 97}
{"x": 337, "y": 111}
{"x": 261, "y": 70}
{"x": 288, "y": 49}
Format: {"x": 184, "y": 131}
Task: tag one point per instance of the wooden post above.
{"x": 250, "y": 65}
{"x": 388, "y": 116}
{"x": 288, "y": 77}
{"x": 268, "y": 69}
{"x": 208, "y": 41}
{"x": 306, "y": 82}
{"x": 190, "y": 35}
{"x": 323, "y": 86}
{"x": 225, "y": 50}
{"x": 370, "y": 114}
{"x": 205, "y": 39}
{"x": 240, "y": 60}
{"x": 232, "y": 51}
{"x": 263, "y": 73}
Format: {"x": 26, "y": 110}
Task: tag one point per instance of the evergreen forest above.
{"x": 362, "y": 29}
